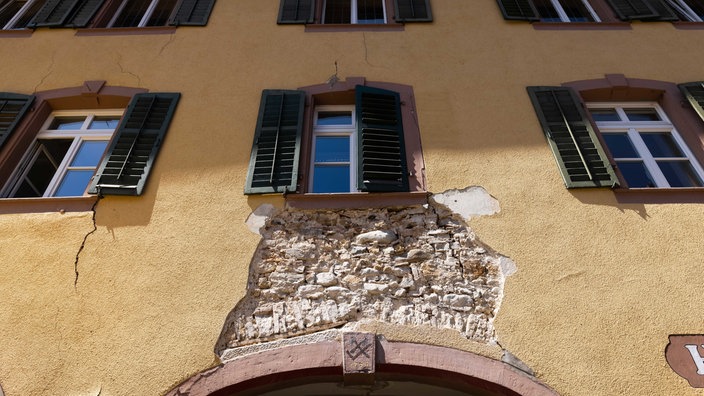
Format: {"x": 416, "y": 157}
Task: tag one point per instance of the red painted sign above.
{"x": 685, "y": 355}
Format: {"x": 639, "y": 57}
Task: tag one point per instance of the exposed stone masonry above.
{"x": 315, "y": 270}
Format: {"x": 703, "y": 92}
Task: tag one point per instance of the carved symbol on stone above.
{"x": 359, "y": 348}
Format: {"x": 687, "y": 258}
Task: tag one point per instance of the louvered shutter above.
{"x": 83, "y": 13}
{"x": 381, "y": 150}
{"x": 413, "y": 11}
{"x": 12, "y": 108}
{"x": 665, "y": 13}
{"x": 273, "y": 165}
{"x": 192, "y": 13}
{"x": 296, "y": 11}
{"x": 633, "y": 9}
{"x": 520, "y": 10}
{"x": 694, "y": 92}
{"x": 53, "y": 13}
{"x": 133, "y": 149}
{"x": 579, "y": 154}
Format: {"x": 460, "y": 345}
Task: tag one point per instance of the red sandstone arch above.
{"x": 399, "y": 360}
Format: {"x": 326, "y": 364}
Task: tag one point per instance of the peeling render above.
{"x": 415, "y": 266}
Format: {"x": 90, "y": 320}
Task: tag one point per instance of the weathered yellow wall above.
{"x": 599, "y": 286}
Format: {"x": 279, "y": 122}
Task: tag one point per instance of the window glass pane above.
{"x": 28, "y": 14}
{"x": 547, "y": 11}
{"x": 66, "y": 123}
{"x": 331, "y": 178}
{"x": 74, "y": 183}
{"x": 620, "y": 145}
{"x": 697, "y": 6}
{"x": 679, "y": 174}
{"x": 334, "y": 118}
{"x": 104, "y": 122}
{"x": 90, "y": 153}
{"x": 370, "y": 11}
{"x": 132, "y": 13}
{"x": 576, "y": 11}
{"x": 636, "y": 174}
{"x": 332, "y": 149}
{"x": 338, "y": 11}
{"x": 604, "y": 115}
{"x": 50, "y": 153}
{"x": 161, "y": 13}
{"x": 8, "y": 9}
{"x": 661, "y": 144}
{"x": 642, "y": 114}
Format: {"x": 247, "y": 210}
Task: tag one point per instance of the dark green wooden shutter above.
{"x": 192, "y": 13}
{"x": 381, "y": 150}
{"x": 133, "y": 149}
{"x": 12, "y": 108}
{"x": 579, "y": 154}
{"x": 665, "y": 13}
{"x": 694, "y": 92}
{"x": 53, "y": 13}
{"x": 83, "y": 13}
{"x": 413, "y": 11}
{"x": 520, "y": 10}
{"x": 273, "y": 164}
{"x": 633, "y": 9}
{"x": 296, "y": 11}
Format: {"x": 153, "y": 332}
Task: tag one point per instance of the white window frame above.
{"x": 633, "y": 129}
{"x": 145, "y": 18}
{"x": 19, "y": 14}
{"x": 354, "y": 19}
{"x": 335, "y": 130}
{"x": 78, "y": 135}
{"x": 565, "y": 18}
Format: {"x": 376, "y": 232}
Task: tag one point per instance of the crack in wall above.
{"x": 124, "y": 71}
{"x": 85, "y": 239}
{"x": 171, "y": 40}
{"x": 50, "y": 70}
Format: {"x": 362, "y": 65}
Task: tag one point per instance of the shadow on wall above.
{"x": 115, "y": 211}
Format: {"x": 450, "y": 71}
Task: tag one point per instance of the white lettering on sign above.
{"x": 698, "y": 359}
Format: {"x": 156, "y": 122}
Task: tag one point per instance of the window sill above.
{"x": 581, "y": 26}
{"x": 347, "y": 27}
{"x": 16, "y": 33}
{"x": 355, "y": 200}
{"x": 659, "y": 195}
{"x": 39, "y": 205}
{"x": 126, "y": 31}
{"x": 688, "y": 25}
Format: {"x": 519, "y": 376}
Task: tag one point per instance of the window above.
{"x": 64, "y": 156}
{"x": 363, "y": 12}
{"x": 652, "y": 143}
{"x": 688, "y": 10}
{"x": 333, "y": 162}
{"x": 565, "y": 11}
{"x": 109, "y": 13}
{"x": 71, "y": 151}
{"x": 645, "y": 145}
{"x": 361, "y": 137}
{"x": 16, "y": 14}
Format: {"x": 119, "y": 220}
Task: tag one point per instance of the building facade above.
{"x": 394, "y": 197}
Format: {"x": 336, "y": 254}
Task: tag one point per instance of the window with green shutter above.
{"x": 12, "y": 109}
{"x": 353, "y": 12}
{"x": 356, "y": 141}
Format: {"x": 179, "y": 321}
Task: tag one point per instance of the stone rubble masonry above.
{"x": 320, "y": 269}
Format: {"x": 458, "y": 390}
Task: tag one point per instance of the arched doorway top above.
{"x": 327, "y": 357}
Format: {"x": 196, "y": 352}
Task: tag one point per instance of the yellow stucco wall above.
{"x": 600, "y": 285}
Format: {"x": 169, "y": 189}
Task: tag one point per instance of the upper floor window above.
{"x": 16, "y": 14}
{"x": 646, "y": 147}
{"x": 361, "y": 137}
{"x": 141, "y": 13}
{"x": 616, "y": 141}
{"x": 353, "y": 12}
{"x": 565, "y": 11}
{"x": 688, "y": 10}
{"x": 64, "y": 156}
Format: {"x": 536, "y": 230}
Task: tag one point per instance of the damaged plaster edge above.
{"x": 257, "y": 219}
{"x": 472, "y": 201}
{"x": 514, "y": 361}
{"x": 238, "y": 352}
